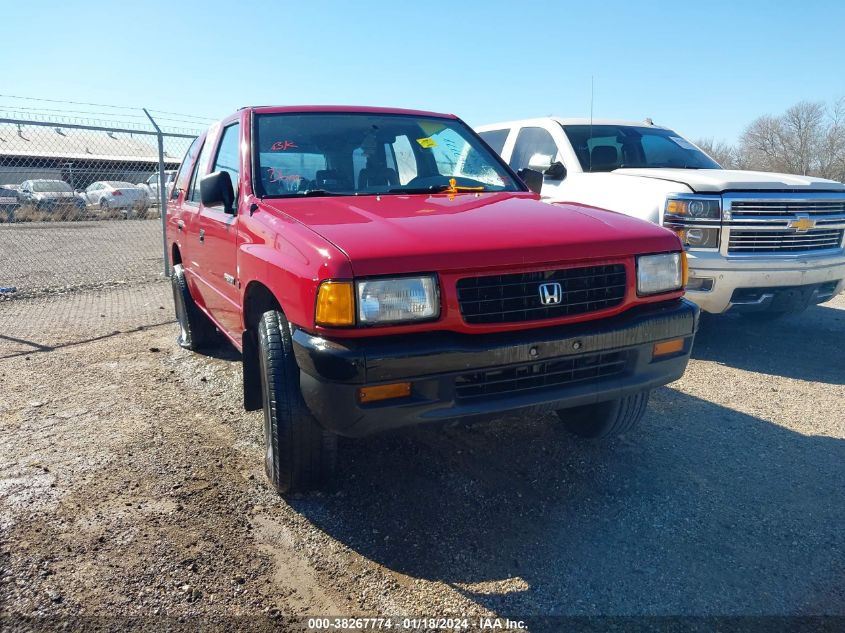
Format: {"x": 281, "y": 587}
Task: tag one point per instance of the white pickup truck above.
{"x": 761, "y": 243}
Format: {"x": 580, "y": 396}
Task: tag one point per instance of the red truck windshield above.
{"x": 363, "y": 154}
{"x": 609, "y": 147}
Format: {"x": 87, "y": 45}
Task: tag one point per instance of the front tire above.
{"x": 605, "y": 419}
{"x": 195, "y": 330}
{"x": 300, "y": 455}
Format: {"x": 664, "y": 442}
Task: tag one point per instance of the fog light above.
{"x": 700, "y": 284}
{"x": 384, "y": 392}
{"x": 665, "y": 348}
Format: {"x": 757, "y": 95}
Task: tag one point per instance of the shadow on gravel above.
{"x": 808, "y": 346}
{"x": 32, "y": 347}
{"x": 704, "y": 511}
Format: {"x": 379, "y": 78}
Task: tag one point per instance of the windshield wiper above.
{"x": 429, "y": 189}
{"x": 322, "y": 192}
{"x": 450, "y": 188}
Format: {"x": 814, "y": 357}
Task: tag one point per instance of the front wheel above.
{"x": 300, "y": 455}
{"x": 605, "y": 419}
{"x": 195, "y": 330}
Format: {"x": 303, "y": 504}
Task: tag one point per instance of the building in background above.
{"x": 77, "y": 155}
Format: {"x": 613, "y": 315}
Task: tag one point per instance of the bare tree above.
{"x": 831, "y": 154}
{"x": 807, "y": 139}
{"x": 720, "y": 151}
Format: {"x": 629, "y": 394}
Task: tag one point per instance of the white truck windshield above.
{"x": 609, "y": 147}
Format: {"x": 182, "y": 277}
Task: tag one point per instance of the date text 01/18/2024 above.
{"x": 415, "y": 624}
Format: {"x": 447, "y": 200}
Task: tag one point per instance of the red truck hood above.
{"x": 415, "y": 233}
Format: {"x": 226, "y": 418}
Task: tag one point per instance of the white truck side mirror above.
{"x": 540, "y": 162}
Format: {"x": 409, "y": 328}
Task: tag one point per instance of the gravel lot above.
{"x": 132, "y": 486}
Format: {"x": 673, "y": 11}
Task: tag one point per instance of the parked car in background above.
{"x": 9, "y": 204}
{"x": 764, "y": 244}
{"x": 51, "y": 197}
{"x": 380, "y": 268}
{"x": 115, "y": 198}
{"x": 150, "y": 186}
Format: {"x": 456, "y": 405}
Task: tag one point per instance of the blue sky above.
{"x": 704, "y": 68}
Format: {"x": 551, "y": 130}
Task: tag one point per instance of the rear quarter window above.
{"x": 183, "y": 175}
{"x": 495, "y": 139}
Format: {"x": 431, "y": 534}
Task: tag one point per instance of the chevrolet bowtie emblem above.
{"x": 802, "y": 224}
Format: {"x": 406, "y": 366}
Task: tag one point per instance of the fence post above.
{"x": 162, "y": 192}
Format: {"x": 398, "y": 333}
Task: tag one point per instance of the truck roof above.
{"x": 345, "y": 108}
{"x": 565, "y": 121}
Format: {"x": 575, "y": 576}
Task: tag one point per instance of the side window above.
{"x": 530, "y": 141}
{"x": 184, "y": 172}
{"x": 495, "y": 139}
{"x": 229, "y": 155}
{"x": 199, "y": 171}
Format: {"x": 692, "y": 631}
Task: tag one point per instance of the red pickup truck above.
{"x": 381, "y": 267}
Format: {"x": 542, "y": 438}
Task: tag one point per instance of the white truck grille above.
{"x": 783, "y": 223}
{"x": 783, "y": 208}
{"x": 742, "y": 241}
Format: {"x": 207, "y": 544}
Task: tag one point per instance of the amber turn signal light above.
{"x": 384, "y": 392}
{"x": 335, "y": 304}
{"x": 684, "y": 269}
{"x": 665, "y": 348}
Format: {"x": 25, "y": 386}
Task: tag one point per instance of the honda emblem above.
{"x": 551, "y": 294}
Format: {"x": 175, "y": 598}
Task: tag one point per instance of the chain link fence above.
{"x": 81, "y": 222}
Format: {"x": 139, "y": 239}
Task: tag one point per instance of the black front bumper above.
{"x": 459, "y": 375}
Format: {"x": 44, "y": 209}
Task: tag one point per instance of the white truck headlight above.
{"x": 692, "y": 207}
{"x": 397, "y": 300}
{"x": 660, "y": 273}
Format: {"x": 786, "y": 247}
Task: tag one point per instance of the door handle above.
{"x": 180, "y": 225}
{"x": 202, "y": 235}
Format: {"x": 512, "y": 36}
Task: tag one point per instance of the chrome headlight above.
{"x": 397, "y": 300}
{"x": 692, "y": 207}
{"x": 696, "y": 236}
{"x": 695, "y": 219}
{"x": 660, "y": 273}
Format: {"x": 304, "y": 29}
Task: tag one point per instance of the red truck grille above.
{"x": 542, "y": 375}
{"x": 517, "y": 297}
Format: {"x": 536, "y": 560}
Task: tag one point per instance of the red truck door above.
{"x": 216, "y": 233}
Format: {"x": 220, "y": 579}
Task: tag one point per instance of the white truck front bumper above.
{"x": 728, "y": 277}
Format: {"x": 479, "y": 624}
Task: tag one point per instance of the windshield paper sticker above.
{"x": 682, "y": 142}
{"x": 427, "y": 142}
{"x": 281, "y": 146}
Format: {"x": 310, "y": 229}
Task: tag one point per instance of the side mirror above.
{"x": 216, "y": 189}
{"x": 556, "y": 171}
{"x": 533, "y": 179}
{"x": 539, "y": 162}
